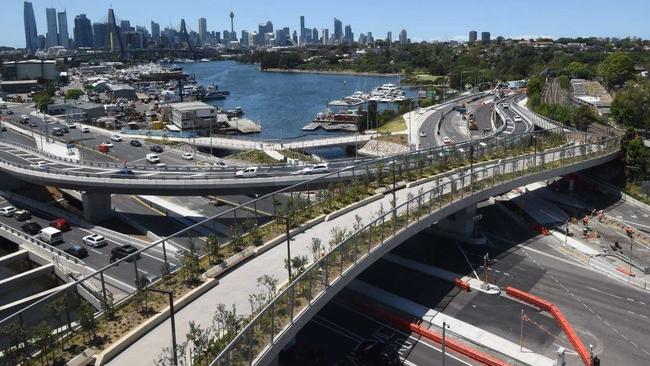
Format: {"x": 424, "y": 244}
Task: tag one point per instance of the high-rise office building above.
{"x": 31, "y": 34}
{"x": 269, "y": 27}
{"x": 338, "y": 30}
{"x": 348, "y": 35}
{"x": 302, "y": 29}
{"x": 294, "y": 39}
{"x": 245, "y": 42}
{"x": 64, "y": 38}
{"x": 326, "y": 36}
{"x": 83, "y": 31}
{"x": 52, "y": 35}
{"x": 389, "y": 37}
{"x": 125, "y": 26}
{"x": 473, "y": 35}
{"x": 100, "y": 35}
{"x": 155, "y": 32}
{"x": 403, "y": 38}
{"x": 485, "y": 37}
{"x": 203, "y": 29}
{"x": 314, "y": 35}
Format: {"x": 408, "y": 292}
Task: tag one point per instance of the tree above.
{"x": 43, "y": 340}
{"x": 297, "y": 264}
{"x": 42, "y": 100}
{"x": 108, "y": 305}
{"x": 190, "y": 264}
{"x": 236, "y": 237}
{"x": 270, "y": 283}
{"x": 87, "y": 321}
{"x": 583, "y": 116}
{"x": 73, "y": 93}
{"x": 316, "y": 246}
{"x": 617, "y": 69}
{"x": 631, "y": 106}
{"x": 213, "y": 247}
{"x": 16, "y": 337}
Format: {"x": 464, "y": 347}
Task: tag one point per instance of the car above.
{"x": 76, "y": 251}
{"x": 7, "y": 211}
{"x": 123, "y": 252}
{"x": 152, "y": 158}
{"x": 220, "y": 164}
{"x": 33, "y": 124}
{"x": 22, "y": 215}
{"x": 125, "y": 172}
{"x": 108, "y": 143}
{"x": 249, "y": 172}
{"x": 103, "y": 148}
{"x": 31, "y": 228}
{"x": 94, "y": 240}
{"x": 3, "y": 106}
{"x": 505, "y": 106}
{"x": 156, "y": 148}
{"x": 446, "y": 140}
{"x": 423, "y": 134}
{"x": 135, "y": 143}
{"x": 24, "y": 118}
{"x": 39, "y": 165}
{"x": 161, "y": 165}
{"x": 3, "y": 128}
{"x": 71, "y": 125}
{"x": 85, "y": 129}
{"x": 61, "y": 224}
{"x": 116, "y": 138}
{"x": 316, "y": 169}
{"x": 10, "y": 112}
{"x": 56, "y": 131}
{"x": 517, "y": 119}
{"x": 65, "y": 130}
{"x": 187, "y": 156}
{"x": 375, "y": 353}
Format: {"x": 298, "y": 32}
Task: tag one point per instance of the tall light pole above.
{"x": 170, "y": 294}
{"x": 445, "y": 326}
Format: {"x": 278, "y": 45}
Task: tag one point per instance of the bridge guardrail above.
{"x": 267, "y": 328}
{"x": 39, "y": 243}
{"x": 319, "y": 189}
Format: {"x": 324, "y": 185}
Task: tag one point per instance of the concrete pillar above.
{"x": 462, "y": 226}
{"x": 97, "y": 206}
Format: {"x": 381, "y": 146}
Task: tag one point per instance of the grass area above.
{"x": 397, "y": 124}
{"x": 299, "y": 155}
{"x": 253, "y": 156}
{"x": 428, "y": 77}
{"x": 397, "y": 139}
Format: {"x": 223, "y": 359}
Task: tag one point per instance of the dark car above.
{"x": 31, "y": 228}
{"x": 123, "y": 252}
{"x": 156, "y": 148}
{"x": 61, "y": 224}
{"x": 10, "y": 112}
{"x": 373, "y": 353}
{"x": 22, "y": 215}
{"x": 124, "y": 173}
{"x": 65, "y": 130}
{"x": 135, "y": 143}
{"x": 77, "y": 251}
{"x": 3, "y": 128}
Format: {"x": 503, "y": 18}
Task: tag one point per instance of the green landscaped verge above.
{"x": 254, "y": 157}
{"x": 397, "y": 124}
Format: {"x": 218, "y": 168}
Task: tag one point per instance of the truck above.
{"x": 50, "y": 235}
{"x": 471, "y": 122}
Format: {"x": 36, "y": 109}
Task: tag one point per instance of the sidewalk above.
{"x": 54, "y": 147}
{"x": 460, "y": 328}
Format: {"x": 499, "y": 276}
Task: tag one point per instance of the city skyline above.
{"x": 527, "y": 24}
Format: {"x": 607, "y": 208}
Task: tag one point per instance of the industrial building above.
{"x": 30, "y": 70}
{"x": 198, "y": 117}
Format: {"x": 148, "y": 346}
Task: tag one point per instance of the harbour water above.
{"x": 282, "y": 102}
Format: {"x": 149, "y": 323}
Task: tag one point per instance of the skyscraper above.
{"x": 244, "y": 39}
{"x": 31, "y": 35}
{"x": 203, "y": 29}
{"x": 403, "y": 38}
{"x": 485, "y": 37}
{"x": 338, "y": 30}
{"x": 314, "y": 35}
{"x": 100, "y": 35}
{"x": 349, "y": 36}
{"x": 389, "y": 37}
{"x": 125, "y": 26}
{"x": 52, "y": 32}
{"x": 326, "y": 36}
{"x": 155, "y": 32}
{"x": 302, "y": 29}
{"x": 83, "y": 32}
{"x": 64, "y": 38}
{"x": 472, "y": 36}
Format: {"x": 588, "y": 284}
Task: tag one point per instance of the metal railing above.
{"x": 330, "y": 187}
{"x": 39, "y": 243}
{"x": 329, "y": 272}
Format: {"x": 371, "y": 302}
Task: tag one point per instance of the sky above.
{"x": 425, "y": 20}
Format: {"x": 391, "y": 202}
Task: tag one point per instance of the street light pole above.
{"x": 171, "y": 318}
{"x": 445, "y": 326}
{"x": 286, "y": 221}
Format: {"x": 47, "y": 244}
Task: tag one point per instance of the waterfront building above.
{"x": 198, "y": 117}
{"x": 338, "y": 31}
{"x": 473, "y": 36}
{"x": 83, "y": 31}
{"x": 100, "y": 35}
{"x": 31, "y": 34}
{"x": 403, "y": 38}
{"x": 485, "y": 37}
{"x": 203, "y": 30}
{"x": 64, "y": 38}
{"x": 52, "y": 35}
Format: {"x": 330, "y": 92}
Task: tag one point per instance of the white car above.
{"x": 39, "y": 165}
{"x": 94, "y": 240}
{"x": 517, "y": 119}
{"x": 116, "y": 138}
{"x": 161, "y": 165}
{"x": 85, "y": 129}
{"x": 152, "y": 158}
{"x": 446, "y": 140}
{"x": 316, "y": 169}
{"x": 249, "y": 172}
{"x": 423, "y": 134}
{"x": 7, "y": 211}
{"x": 187, "y": 156}
{"x": 71, "y": 125}
{"x": 108, "y": 143}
